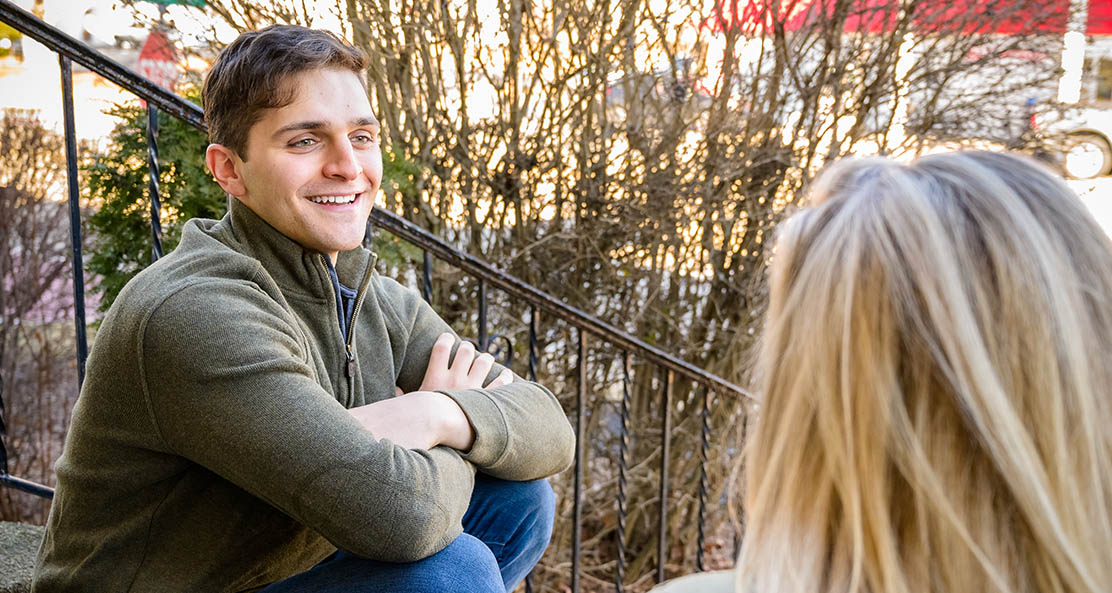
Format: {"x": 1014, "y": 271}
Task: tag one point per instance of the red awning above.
{"x": 1100, "y": 17}
{"x": 1007, "y": 17}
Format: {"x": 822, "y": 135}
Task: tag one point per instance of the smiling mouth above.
{"x": 338, "y": 199}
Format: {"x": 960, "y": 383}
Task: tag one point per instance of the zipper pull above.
{"x": 349, "y": 369}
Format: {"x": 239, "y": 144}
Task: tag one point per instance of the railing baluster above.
{"x": 533, "y": 343}
{"x": 3, "y": 433}
{"x": 739, "y": 527}
{"x": 665, "y": 452}
{"x": 484, "y": 340}
{"x": 580, "y": 454}
{"x": 704, "y": 448}
{"x": 153, "y": 183}
{"x": 426, "y": 277}
{"x": 623, "y": 463}
{"x": 75, "y": 217}
{"x": 532, "y": 373}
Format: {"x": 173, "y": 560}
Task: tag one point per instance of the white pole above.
{"x": 1073, "y": 53}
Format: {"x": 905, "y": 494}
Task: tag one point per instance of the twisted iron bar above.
{"x": 739, "y": 527}
{"x": 704, "y": 448}
{"x": 532, "y": 371}
{"x": 153, "y": 184}
{"x": 623, "y": 463}
{"x": 580, "y": 458}
{"x": 3, "y": 433}
{"x": 665, "y": 456}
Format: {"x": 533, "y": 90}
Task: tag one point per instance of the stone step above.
{"x": 19, "y": 543}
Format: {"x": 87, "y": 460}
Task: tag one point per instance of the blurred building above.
{"x": 32, "y": 69}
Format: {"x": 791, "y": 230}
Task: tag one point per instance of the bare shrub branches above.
{"x": 635, "y": 157}
{"x": 37, "y": 363}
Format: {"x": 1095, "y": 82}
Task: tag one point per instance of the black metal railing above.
{"x": 70, "y": 50}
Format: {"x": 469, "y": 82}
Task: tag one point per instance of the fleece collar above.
{"x": 292, "y": 267}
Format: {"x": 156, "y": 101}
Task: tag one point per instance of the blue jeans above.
{"x": 505, "y": 531}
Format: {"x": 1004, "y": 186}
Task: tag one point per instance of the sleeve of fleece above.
{"x": 521, "y": 432}
{"x": 229, "y": 388}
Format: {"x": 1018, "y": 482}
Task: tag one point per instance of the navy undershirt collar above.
{"x": 345, "y": 299}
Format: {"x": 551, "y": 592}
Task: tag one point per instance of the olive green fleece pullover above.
{"x": 211, "y": 449}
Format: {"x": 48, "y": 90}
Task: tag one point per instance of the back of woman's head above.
{"x": 936, "y": 381}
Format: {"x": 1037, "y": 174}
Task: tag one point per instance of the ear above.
{"x": 225, "y": 167}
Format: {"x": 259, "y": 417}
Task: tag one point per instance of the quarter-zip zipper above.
{"x": 359, "y": 298}
{"x": 349, "y": 370}
{"x": 349, "y": 366}
{"x": 351, "y": 331}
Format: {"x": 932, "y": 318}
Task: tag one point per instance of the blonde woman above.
{"x": 936, "y": 373}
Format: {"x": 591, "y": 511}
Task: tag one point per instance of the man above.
{"x": 238, "y": 429}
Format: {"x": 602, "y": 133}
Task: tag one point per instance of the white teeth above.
{"x": 333, "y": 199}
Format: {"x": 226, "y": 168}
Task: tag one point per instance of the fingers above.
{"x": 441, "y": 351}
{"x": 437, "y": 373}
{"x": 503, "y": 378}
{"x": 468, "y": 369}
{"x": 465, "y": 355}
{"x": 480, "y": 369}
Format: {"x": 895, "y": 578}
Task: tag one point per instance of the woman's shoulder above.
{"x": 719, "y": 581}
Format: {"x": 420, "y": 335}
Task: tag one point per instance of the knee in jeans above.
{"x": 540, "y": 505}
{"x": 544, "y": 502}
{"x": 466, "y": 566}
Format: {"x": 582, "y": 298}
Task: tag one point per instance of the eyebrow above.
{"x": 364, "y": 121}
{"x": 316, "y": 125}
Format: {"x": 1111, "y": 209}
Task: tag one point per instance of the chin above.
{"x": 347, "y": 246}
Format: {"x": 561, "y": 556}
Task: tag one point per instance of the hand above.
{"x": 417, "y": 420}
{"x": 424, "y": 419}
{"x": 467, "y": 371}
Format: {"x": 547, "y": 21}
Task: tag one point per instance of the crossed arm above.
{"x": 520, "y": 430}
{"x": 425, "y": 418}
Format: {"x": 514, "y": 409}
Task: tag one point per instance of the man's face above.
{"x": 314, "y": 167}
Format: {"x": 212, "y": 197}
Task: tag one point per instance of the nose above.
{"x": 342, "y": 163}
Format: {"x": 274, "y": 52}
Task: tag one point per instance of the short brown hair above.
{"x": 252, "y": 74}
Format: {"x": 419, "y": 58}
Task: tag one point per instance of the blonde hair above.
{"x": 936, "y": 413}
